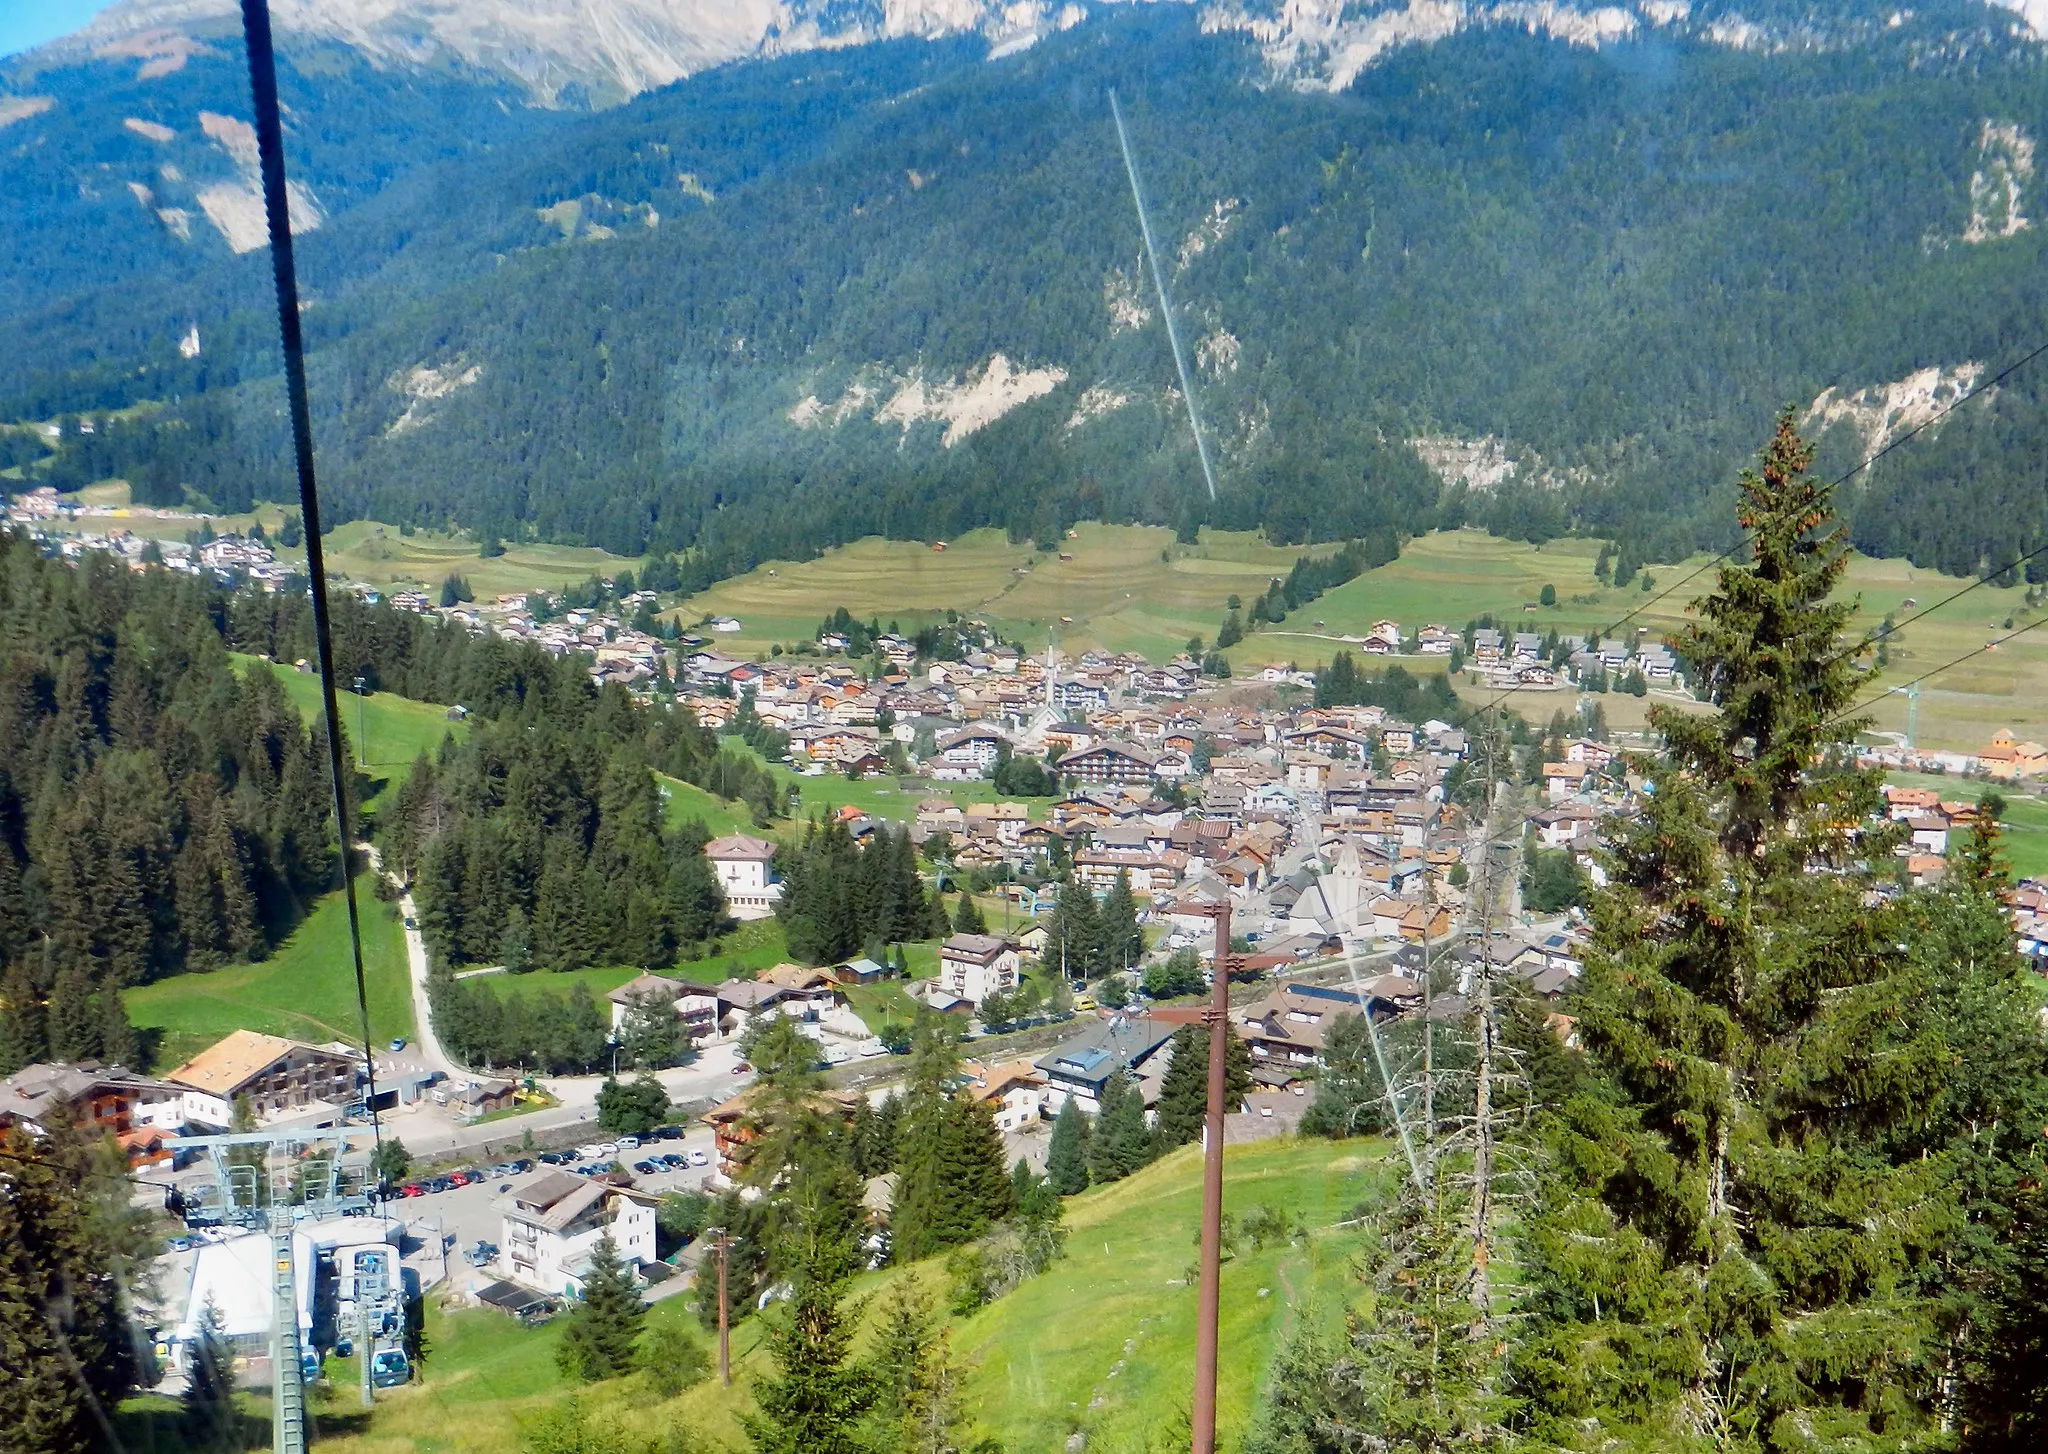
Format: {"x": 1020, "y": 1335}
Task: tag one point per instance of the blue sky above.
{"x": 25, "y": 23}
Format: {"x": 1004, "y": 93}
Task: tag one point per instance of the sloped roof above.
{"x": 232, "y": 1062}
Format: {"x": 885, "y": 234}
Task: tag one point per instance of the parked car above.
{"x": 667, "y": 1133}
{"x": 698, "y": 1158}
{"x": 740, "y": 1067}
{"x": 483, "y": 1252}
{"x": 671, "y": 1162}
{"x": 645, "y": 1168}
{"x": 607, "y": 1149}
{"x": 397, "y": 1043}
{"x": 459, "y": 1178}
{"x": 574, "y": 1153}
{"x": 629, "y": 1143}
{"x": 412, "y": 1189}
{"x": 553, "y": 1158}
{"x": 591, "y": 1152}
{"x": 521, "y": 1166}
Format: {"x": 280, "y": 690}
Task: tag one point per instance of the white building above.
{"x": 746, "y": 871}
{"x": 974, "y": 966}
{"x": 554, "y": 1221}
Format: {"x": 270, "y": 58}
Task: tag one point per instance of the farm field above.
{"x": 1118, "y": 593}
{"x": 2026, "y": 815}
{"x": 1040, "y": 1358}
{"x": 368, "y": 551}
{"x": 377, "y": 554}
{"x": 306, "y": 990}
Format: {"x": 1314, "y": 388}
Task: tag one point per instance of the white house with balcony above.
{"x": 553, "y": 1222}
{"x": 746, "y": 871}
{"x": 974, "y": 966}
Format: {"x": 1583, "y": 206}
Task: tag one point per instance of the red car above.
{"x": 741, "y": 1068}
{"x": 412, "y": 1189}
{"x": 459, "y": 1178}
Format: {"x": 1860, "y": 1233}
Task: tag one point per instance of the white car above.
{"x": 629, "y": 1143}
{"x": 607, "y": 1149}
{"x": 698, "y": 1158}
{"x": 592, "y": 1151}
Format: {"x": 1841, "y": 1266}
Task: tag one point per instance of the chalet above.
{"x": 1290, "y": 1025}
{"x": 1561, "y": 780}
{"x": 103, "y": 1098}
{"x": 746, "y": 871}
{"x": 974, "y": 966}
{"x": 273, "y": 1074}
{"x": 1014, "y": 1093}
{"x": 550, "y": 1225}
{"x": 733, "y": 1133}
{"x": 695, "y": 1007}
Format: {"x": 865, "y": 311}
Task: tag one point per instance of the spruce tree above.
{"x": 1066, "y": 1155}
{"x": 819, "y": 1398}
{"x": 1742, "y": 1235}
{"x": 69, "y": 1350}
{"x": 1350, "y": 1098}
{"x": 74, "y": 1017}
{"x": 1122, "y": 943}
{"x": 968, "y": 919}
{"x": 599, "y": 1341}
{"x": 207, "y": 1417}
{"x": 23, "y": 1038}
{"x": 1184, "y": 1090}
{"x": 1120, "y": 1142}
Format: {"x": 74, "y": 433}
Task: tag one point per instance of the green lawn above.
{"x": 757, "y": 944}
{"x": 386, "y": 731}
{"x": 685, "y": 800}
{"x": 306, "y": 990}
{"x": 1039, "y": 1358}
{"x": 2026, "y": 816}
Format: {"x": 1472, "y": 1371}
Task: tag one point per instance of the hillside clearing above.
{"x": 306, "y": 990}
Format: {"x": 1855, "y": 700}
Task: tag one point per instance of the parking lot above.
{"x": 442, "y": 1226}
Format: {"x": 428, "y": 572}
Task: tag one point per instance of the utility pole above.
{"x": 1208, "y": 1307}
{"x": 724, "y": 1318}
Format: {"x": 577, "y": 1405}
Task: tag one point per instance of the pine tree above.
{"x": 69, "y": 1353}
{"x": 599, "y": 1340}
{"x": 74, "y": 1019}
{"x": 1119, "y": 1142}
{"x": 902, "y": 1344}
{"x": 1741, "y": 1230}
{"x": 1350, "y": 1098}
{"x": 1122, "y": 943}
{"x": 207, "y": 1417}
{"x": 968, "y": 919}
{"x": 119, "y": 1044}
{"x": 819, "y": 1399}
{"x": 1074, "y": 941}
{"x": 515, "y": 945}
{"x": 24, "y": 1039}
{"x": 1066, "y": 1155}
{"x": 1184, "y": 1091}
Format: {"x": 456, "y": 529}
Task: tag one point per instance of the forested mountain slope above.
{"x": 899, "y": 288}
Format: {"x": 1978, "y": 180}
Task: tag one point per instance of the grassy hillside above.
{"x": 1102, "y": 1342}
{"x": 386, "y": 731}
{"x": 306, "y": 990}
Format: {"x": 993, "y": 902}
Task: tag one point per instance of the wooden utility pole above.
{"x": 724, "y": 1317}
{"x": 1208, "y": 1306}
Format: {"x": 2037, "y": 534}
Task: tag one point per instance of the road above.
{"x": 426, "y": 1048}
